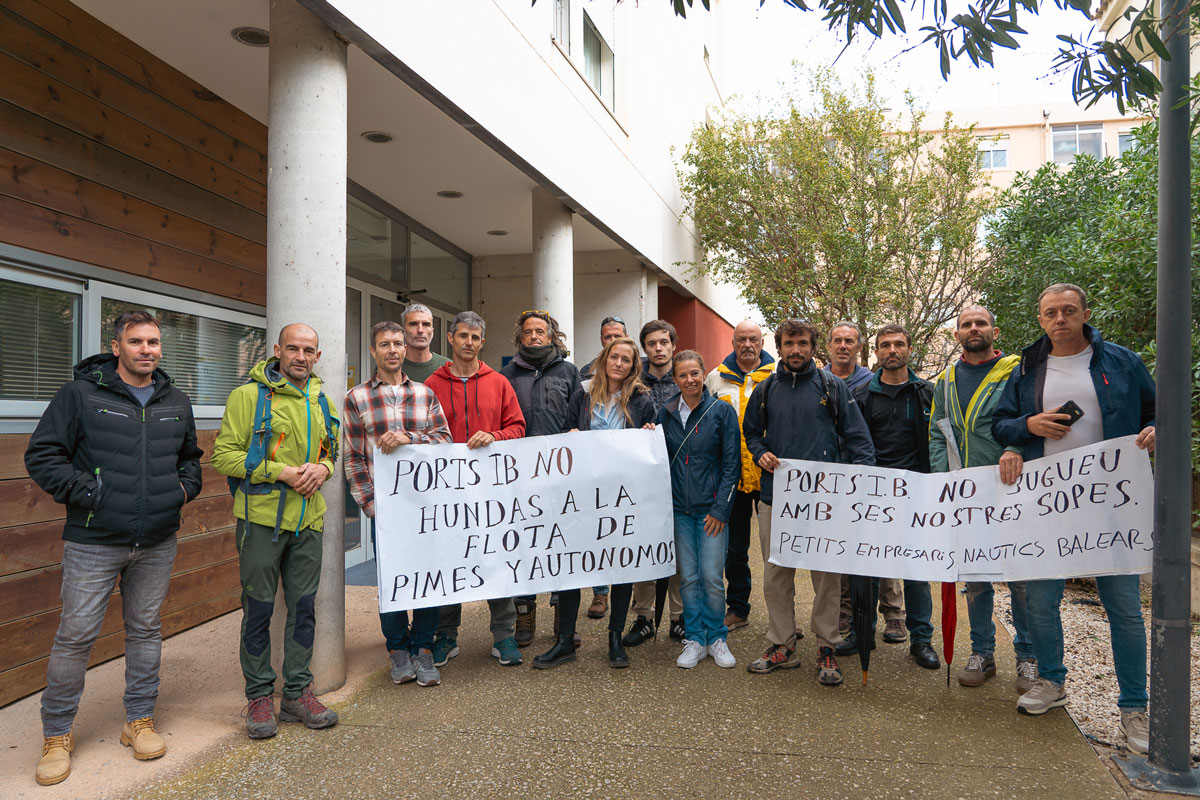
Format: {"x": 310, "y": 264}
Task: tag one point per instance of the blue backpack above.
{"x": 256, "y": 453}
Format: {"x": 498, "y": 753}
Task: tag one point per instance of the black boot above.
{"x": 617, "y": 658}
{"x": 578, "y": 640}
{"x": 562, "y": 652}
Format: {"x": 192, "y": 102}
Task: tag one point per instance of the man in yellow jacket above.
{"x": 733, "y": 381}
{"x": 277, "y": 446}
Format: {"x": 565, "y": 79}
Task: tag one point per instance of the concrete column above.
{"x": 306, "y": 257}
{"x": 554, "y": 263}
{"x": 648, "y": 289}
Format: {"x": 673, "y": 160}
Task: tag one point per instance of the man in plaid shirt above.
{"x": 391, "y": 410}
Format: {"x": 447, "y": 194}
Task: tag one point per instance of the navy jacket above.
{"x": 123, "y": 471}
{"x": 792, "y": 414}
{"x": 706, "y": 456}
{"x": 1123, "y": 387}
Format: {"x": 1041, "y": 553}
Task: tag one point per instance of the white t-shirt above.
{"x": 1068, "y": 378}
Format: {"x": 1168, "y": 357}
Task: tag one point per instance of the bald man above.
{"x": 733, "y": 381}
{"x": 280, "y": 516}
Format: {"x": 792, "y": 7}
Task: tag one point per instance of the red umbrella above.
{"x": 949, "y": 623}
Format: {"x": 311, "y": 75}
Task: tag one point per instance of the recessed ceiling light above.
{"x": 450, "y": 194}
{"x": 254, "y": 37}
{"x": 497, "y": 232}
{"x": 377, "y": 137}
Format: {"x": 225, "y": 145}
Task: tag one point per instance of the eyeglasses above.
{"x": 536, "y": 313}
{"x": 607, "y": 320}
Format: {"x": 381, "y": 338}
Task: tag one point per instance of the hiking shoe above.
{"x": 260, "y": 717}
{"x": 719, "y": 650}
{"x": 526, "y": 622}
{"x": 828, "y": 673}
{"x": 426, "y": 673}
{"x": 403, "y": 670}
{"x": 978, "y": 669}
{"x": 1044, "y": 696}
{"x": 849, "y": 645}
{"x": 506, "y": 650}
{"x": 676, "y": 630}
{"x": 307, "y": 709}
{"x": 734, "y": 621}
{"x": 1026, "y": 674}
{"x": 599, "y": 606}
{"x": 1136, "y": 727}
{"x": 777, "y": 656}
{"x": 894, "y": 631}
{"x": 139, "y": 734}
{"x": 693, "y": 653}
{"x": 444, "y": 649}
{"x": 55, "y": 764}
{"x": 640, "y": 631}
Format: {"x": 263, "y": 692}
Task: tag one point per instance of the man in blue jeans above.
{"x": 391, "y": 410}
{"x": 1112, "y": 386}
{"x": 117, "y": 446}
{"x": 960, "y": 435}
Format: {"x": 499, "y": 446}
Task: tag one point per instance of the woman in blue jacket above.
{"x": 612, "y": 399}
{"x": 704, "y": 446}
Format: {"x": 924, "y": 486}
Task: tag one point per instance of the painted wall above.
{"x": 699, "y": 327}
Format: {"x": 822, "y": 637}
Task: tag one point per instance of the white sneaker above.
{"x": 719, "y": 650}
{"x": 693, "y": 653}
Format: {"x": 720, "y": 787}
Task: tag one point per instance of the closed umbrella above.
{"x": 949, "y": 623}
{"x": 864, "y": 598}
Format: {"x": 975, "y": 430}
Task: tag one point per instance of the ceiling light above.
{"x": 377, "y": 137}
{"x": 254, "y": 37}
{"x": 497, "y": 233}
{"x": 450, "y": 194}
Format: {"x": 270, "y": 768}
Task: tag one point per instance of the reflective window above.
{"x": 1070, "y": 141}
{"x": 446, "y": 278}
{"x": 39, "y": 340}
{"x": 375, "y": 243}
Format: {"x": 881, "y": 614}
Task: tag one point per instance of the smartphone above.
{"x": 1072, "y": 408}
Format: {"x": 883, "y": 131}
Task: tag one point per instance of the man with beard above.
{"x": 805, "y": 413}
{"x": 895, "y": 404}
{"x": 960, "y": 435}
{"x": 544, "y": 381}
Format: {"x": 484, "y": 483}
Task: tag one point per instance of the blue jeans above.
{"x": 983, "y": 627}
{"x": 1122, "y": 600}
{"x": 394, "y": 624}
{"x": 918, "y": 611}
{"x": 89, "y": 573}
{"x": 701, "y": 578}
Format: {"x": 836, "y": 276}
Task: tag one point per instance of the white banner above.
{"x": 1083, "y": 512}
{"x": 521, "y": 517}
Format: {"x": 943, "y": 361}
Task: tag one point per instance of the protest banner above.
{"x": 521, "y": 516}
{"x": 1083, "y": 512}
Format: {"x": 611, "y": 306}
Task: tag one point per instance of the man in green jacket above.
{"x": 278, "y": 467}
{"x": 960, "y": 435}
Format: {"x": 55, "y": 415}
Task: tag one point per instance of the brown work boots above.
{"x": 55, "y": 764}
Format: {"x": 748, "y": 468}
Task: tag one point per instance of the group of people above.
{"x": 117, "y": 445}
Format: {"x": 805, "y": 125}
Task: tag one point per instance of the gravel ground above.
{"x": 1091, "y": 681}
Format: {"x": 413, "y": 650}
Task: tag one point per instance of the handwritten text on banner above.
{"x": 521, "y": 517}
{"x": 1087, "y": 511}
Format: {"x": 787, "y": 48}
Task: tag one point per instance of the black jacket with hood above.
{"x": 123, "y": 471}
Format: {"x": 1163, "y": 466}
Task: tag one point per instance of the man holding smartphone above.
{"x": 1109, "y": 393}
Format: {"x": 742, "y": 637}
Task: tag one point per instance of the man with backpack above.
{"x": 278, "y": 445}
{"x": 806, "y": 413}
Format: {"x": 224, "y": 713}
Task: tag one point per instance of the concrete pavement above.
{"x": 582, "y": 730}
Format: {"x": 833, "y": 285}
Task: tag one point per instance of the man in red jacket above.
{"x": 480, "y": 407}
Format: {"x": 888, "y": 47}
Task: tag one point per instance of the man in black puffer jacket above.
{"x": 117, "y": 446}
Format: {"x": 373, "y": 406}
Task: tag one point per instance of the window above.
{"x": 206, "y": 357}
{"x": 375, "y": 243}
{"x": 39, "y": 338}
{"x": 443, "y": 276}
{"x": 993, "y": 152}
{"x": 562, "y": 24}
{"x": 598, "y": 65}
{"x": 1069, "y": 141}
{"x": 1124, "y": 142}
